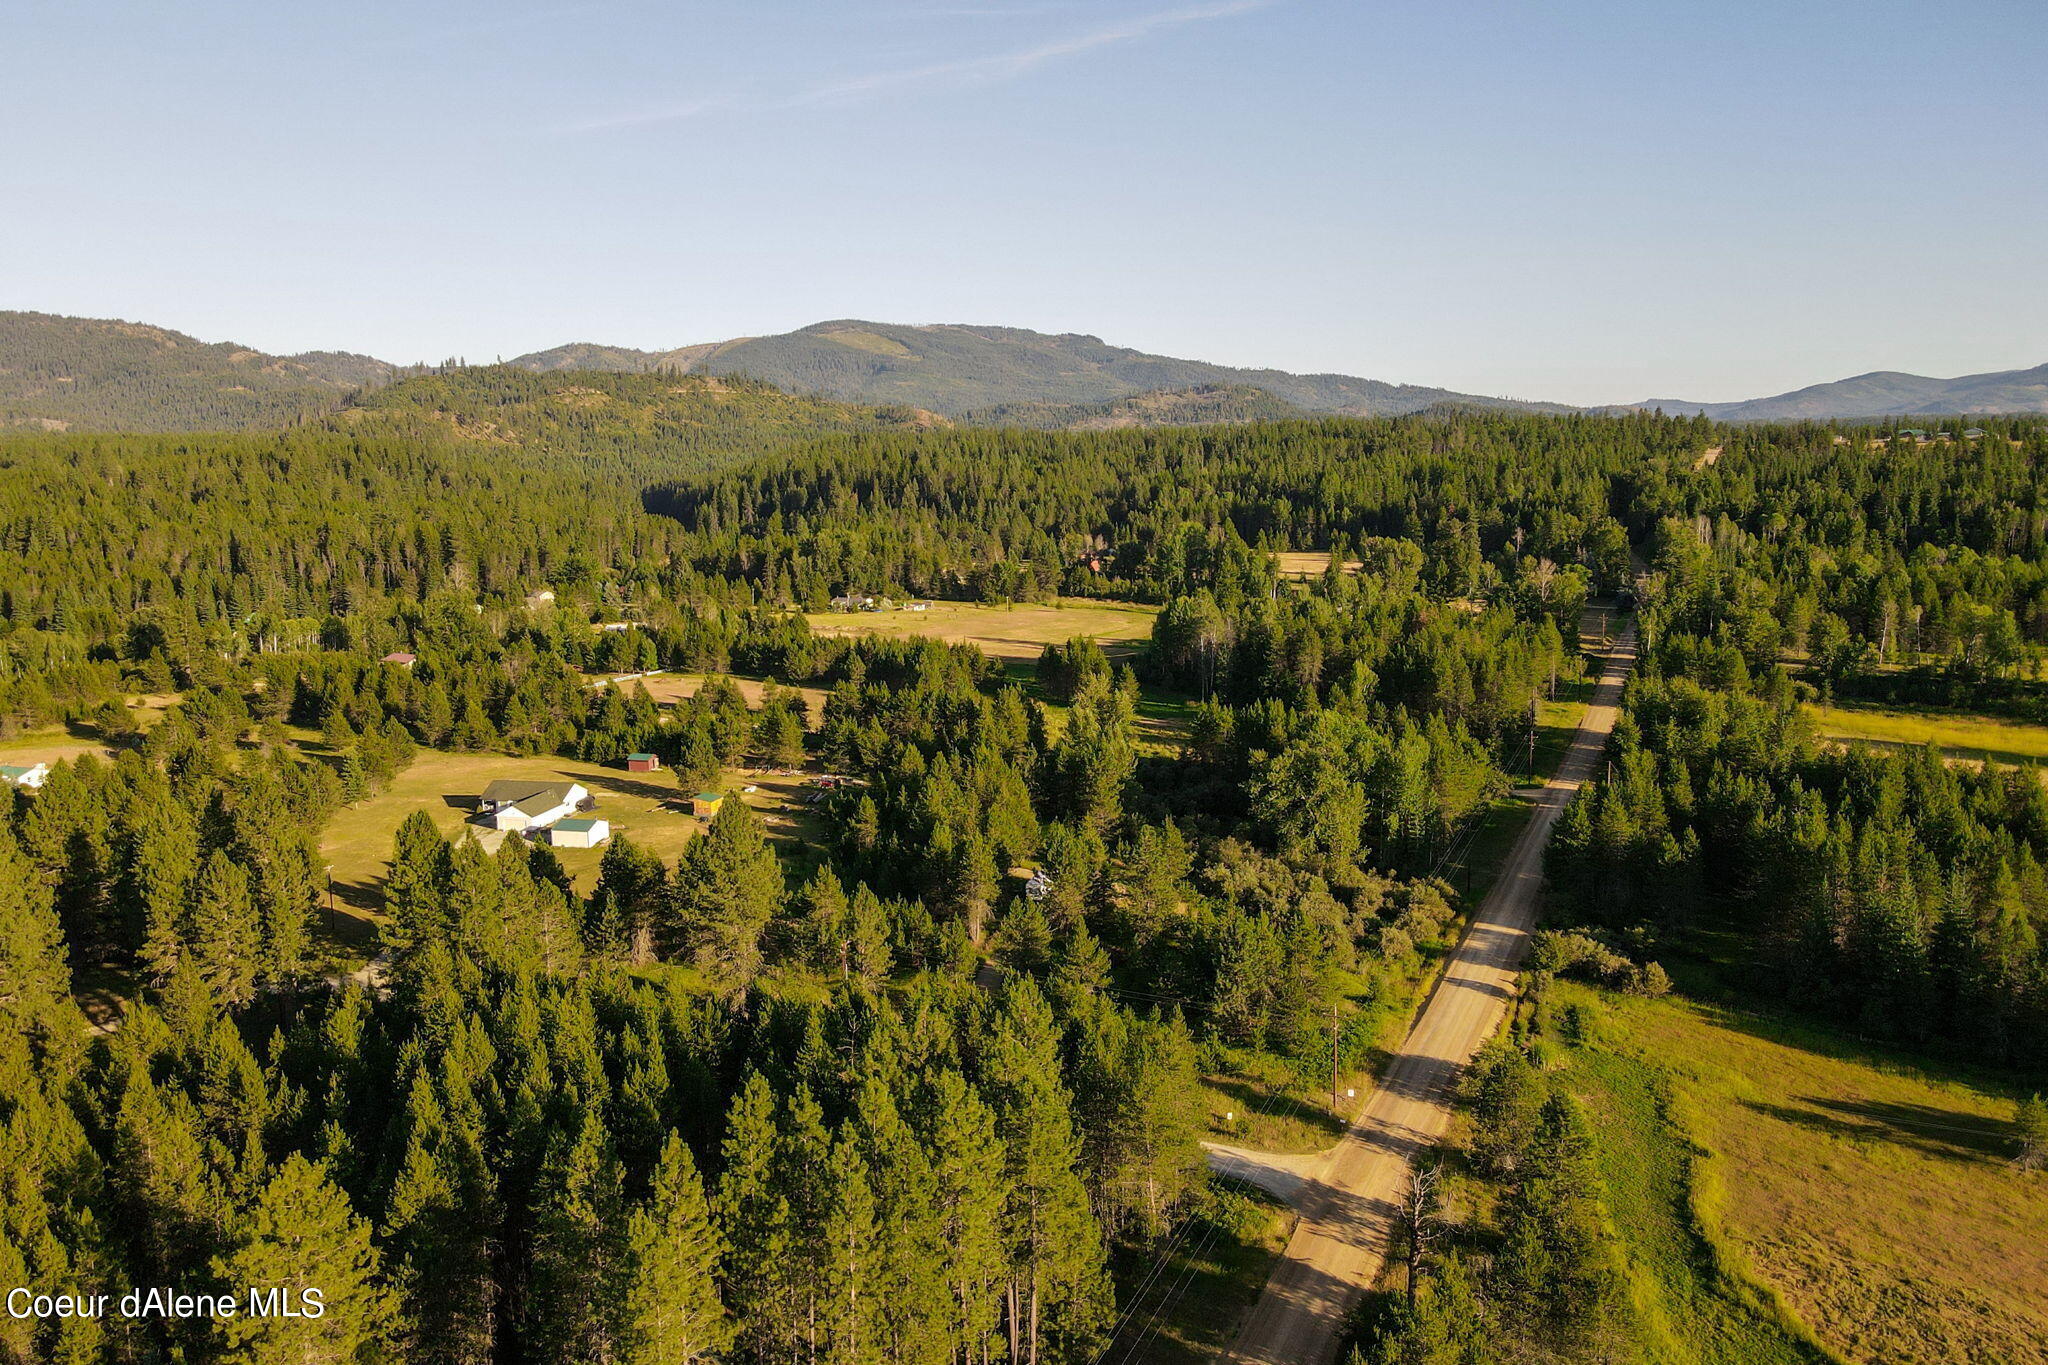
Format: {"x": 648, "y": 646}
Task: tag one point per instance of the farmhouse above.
{"x": 643, "y": 763}
{"x": 517, "y": 804}
{"x": 401, "y": 658}
{"x": 14, "y": 775}
{"x": 579, "y": 831}
{"x": 706, "y": 804}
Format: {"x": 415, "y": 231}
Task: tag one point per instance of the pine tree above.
{"x": 304, "y": 1239}
{"x": 226, "y": 934}
{"x": 2032, "y": 1121}
{"x": 728, "y": 887}
{"x": 1056, "y": 1267}
{"x": 416, "y": 894}
{"x": 673, "y": 1312}
{"x": 868, "y": 957}
{"x": 576, "y": 1306}
{"x": 967, "y": 1162}
{"x": 909, "y": 1276}
{"x": 35, "y": 980}
{"x": 850, "y": 1272}
{"x": 436, "y": 1229}
{"x": 753, "y": 1215}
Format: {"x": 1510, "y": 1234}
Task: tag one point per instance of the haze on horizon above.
{"x": 1591, "y": 201}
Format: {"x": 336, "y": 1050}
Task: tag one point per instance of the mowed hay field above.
{"x": 669, "y": 688}
{"x": 1005, "y": 632}
{"x": 1309, "y": 563}
{"x": 648, "y": 807}
{"x": 1960, "y": 735}
{"x": 1874, "y": 1199}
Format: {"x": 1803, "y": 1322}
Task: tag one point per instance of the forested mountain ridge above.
{"x": 98, "y": 374}
{"x": 1882, "y": 393}
{"x": 1202, "y": 405}
{"x": 88, "y": 374}
{"x": 658, "y": 425}
{"x": 957, "y": 369}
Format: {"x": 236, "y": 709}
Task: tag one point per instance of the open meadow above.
{"x": 1960, "y": 734}
{"x": 1765, "y": 1175}
{"x": 669, "y": 688}
{"x": 1005, "y": 632}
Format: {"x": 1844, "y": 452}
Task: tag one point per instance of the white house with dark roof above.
{"x": 516, "y": 804}
{"x": 16, "y": 775}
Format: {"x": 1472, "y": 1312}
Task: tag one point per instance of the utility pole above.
{"x": 1532, "y": 740}
{"x": 1333, "y": 1059}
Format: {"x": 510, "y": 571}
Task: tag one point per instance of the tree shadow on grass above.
{"x": 1954, "y": 1134}
{"x": 1278, "y": 1104}
{"x": 664, "y": 793}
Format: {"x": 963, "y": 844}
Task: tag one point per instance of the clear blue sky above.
{"x": 1584, "y": 200}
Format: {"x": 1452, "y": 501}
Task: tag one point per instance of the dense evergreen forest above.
{"x": 876, "y": 1101}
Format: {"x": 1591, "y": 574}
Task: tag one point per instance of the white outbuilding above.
{"x": 579, "y": 831}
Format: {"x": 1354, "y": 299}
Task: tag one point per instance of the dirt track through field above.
{"x": 1347, "y": 1195}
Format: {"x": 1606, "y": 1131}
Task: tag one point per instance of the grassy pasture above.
{"x": 649, "y": 807}
{"x": 1960, "y": 734}
{"x": 54, "y": 744}
{"x": 669, "y": 688}
{"x": 1869, "y": 1196}
{"x": 1020, "y": 631}
{"x": 1309, "y": 563}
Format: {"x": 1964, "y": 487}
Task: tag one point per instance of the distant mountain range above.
{"x": 1883, "y": 393}
{"x": 101, "y": 375}
{"x": 95, "y": 374}
{"x": 958, "y": 370}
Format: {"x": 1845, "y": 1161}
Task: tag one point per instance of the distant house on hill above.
{"x": 516, "y": 804}
{"x": 706, "y": 804}
{"x": 544, "y": 598}
{"x": 615, "y": 626}
{"x": 1974, "y": 434}
{"x": 857, "y": 601}
{"x": 917, "y": 606}
{"x": 643, "y": 763}
{"x": 30, "y": 776}
{"x": 579, "y": 831}
{"x": 401, "y": 658}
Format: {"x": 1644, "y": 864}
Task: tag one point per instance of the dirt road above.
{"x": 1346, "y": 1196}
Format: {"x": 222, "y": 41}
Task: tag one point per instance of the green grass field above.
{"x": 644, "y": 806}
{"x": 1753, "y": 1163}
{"x": 56, "y": 743}
{"x": 1960, "y": 734}
{"x": 1021, "y": 631}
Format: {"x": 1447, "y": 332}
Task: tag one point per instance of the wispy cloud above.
{"x": 999, "y": 66}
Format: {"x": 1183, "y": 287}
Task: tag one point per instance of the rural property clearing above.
{"x": 1005, "y": 632}
{"x": 646, "y": 807}
{"x": 1959, "y": 734}
{"x": 1874, "y": 1194}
